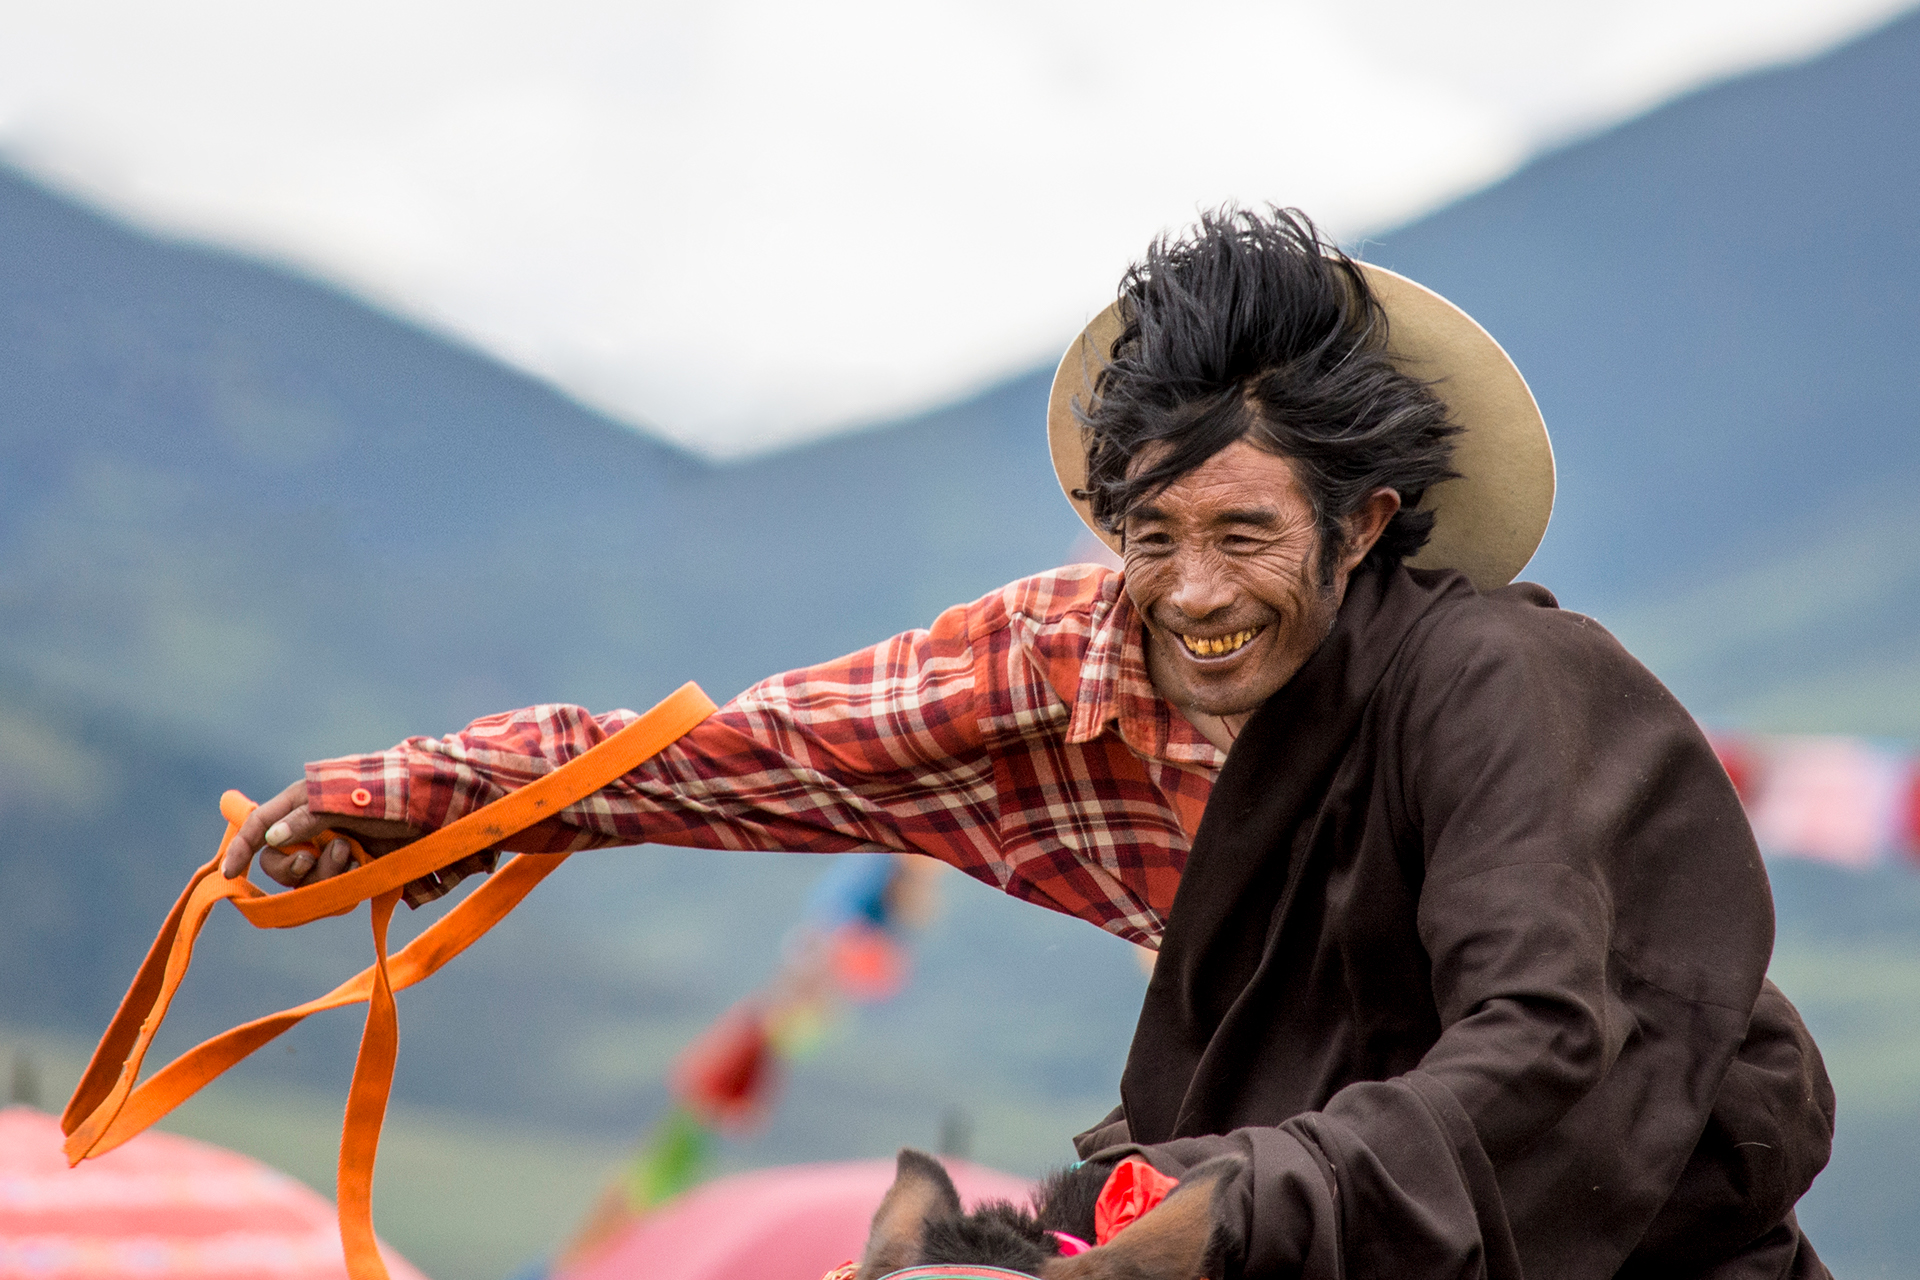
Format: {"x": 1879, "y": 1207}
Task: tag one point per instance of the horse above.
{"x": 920, "y": 1222}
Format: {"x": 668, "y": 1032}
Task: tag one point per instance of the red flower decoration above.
{"x": 1133, "y": 1188}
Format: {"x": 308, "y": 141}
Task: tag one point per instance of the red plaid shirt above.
{"x": 1019, "y": 739}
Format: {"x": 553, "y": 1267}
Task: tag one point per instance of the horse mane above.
{"x": 1066, "y": 1197}
{"x": 1002, "y": 1234}
{"x": 997, "y": 1234}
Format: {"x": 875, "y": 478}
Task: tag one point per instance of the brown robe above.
{"x": 1468, "y": 963}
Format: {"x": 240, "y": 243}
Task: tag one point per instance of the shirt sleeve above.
{"x": 877, "y": 751}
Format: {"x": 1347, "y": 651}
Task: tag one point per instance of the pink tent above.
{"x": 792, "y": 1223}
{"x": 159, "y": 1208}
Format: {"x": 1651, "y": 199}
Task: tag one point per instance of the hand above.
{"x": 286, "y": 820}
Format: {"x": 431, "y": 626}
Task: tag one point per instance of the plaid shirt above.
{"x": 1019, "y": 739}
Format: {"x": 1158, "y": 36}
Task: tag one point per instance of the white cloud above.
{"x": 742, "y": 222}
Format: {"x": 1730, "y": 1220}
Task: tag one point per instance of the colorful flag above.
{"x": 1842, "y": 800}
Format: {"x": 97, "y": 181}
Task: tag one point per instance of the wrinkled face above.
{"x": 1223, "y": 566}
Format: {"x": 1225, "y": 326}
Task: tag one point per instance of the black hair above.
{"x": 1253, "y": 326}
{"x": 1001, "y": 1234}
{"x": 997, "y": 1234}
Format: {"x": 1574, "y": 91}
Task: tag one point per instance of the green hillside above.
{"x": 1718, "y": 306}
{"x": 1815, "y": 630}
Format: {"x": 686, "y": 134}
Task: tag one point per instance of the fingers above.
{"x": 301, "y": 866}
{"x": 335, "y": 858}
{"x": 253, "y": 832}
{"x": 285, "y": 820}
{"x": 296, "y": 867}
{"x": 286, "y": 867}
{"x": 301, "y": 826}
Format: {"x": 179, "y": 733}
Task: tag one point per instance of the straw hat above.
{"x": 1488, "y": 521}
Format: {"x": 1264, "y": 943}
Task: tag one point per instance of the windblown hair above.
{"x": 1254, "y": 326}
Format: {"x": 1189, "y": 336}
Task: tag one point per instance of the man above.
{"x": 1465, "y": 963}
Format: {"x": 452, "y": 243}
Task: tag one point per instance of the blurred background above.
{"x": 370, "y": 368}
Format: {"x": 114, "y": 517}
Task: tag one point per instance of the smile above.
{"x": 1219, "y": 646}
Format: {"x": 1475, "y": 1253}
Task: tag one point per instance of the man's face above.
{"x": 1223, "y": 565}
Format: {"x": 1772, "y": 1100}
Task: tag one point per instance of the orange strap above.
{"x": 107, "y": 1110}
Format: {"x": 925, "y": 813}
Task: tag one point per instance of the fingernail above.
{"x": 279, "y": 833}
{"x": 302, "y": 863}
{"x": 338, "y": 851}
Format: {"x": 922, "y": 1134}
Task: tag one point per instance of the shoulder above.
{"x": 1517, "y": 629}
{"x": 1512, "y": 666}
{"x": 1054, "y": 612}
{"x": 1068, "y": 596}
{"x": 1034, "y": 639}
{"x": 1521, "y": 734}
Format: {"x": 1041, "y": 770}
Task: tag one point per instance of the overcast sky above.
{"x": 743, "y": 223}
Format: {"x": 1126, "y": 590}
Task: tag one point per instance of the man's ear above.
{"x": 1181, "y": 1238}
{"x": 921, "y": 1190}
{"x": 1364, "y": 526}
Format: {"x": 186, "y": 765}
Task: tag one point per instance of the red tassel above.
{"x": 727, "y": 1076}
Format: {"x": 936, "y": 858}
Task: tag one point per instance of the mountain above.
{"x": 246, "y": 521}
{"x": 1716, "y": 305}
{"x": 218, "y": 475}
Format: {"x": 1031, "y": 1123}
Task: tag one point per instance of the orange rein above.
{"x": 107, "y": 1109}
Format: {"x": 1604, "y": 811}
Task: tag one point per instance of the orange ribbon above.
{"x": 107, "y": 1109}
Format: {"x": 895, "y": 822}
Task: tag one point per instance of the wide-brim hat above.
{"x": 1487, "y": 521}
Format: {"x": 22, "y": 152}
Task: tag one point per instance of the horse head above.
{"x": 920, "y": 1222}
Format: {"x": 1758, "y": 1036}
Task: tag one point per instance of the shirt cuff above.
{"x": 378, "y": 786}
{"x": 371, "y": 786}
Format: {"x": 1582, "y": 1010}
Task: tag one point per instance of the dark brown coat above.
{"x": 1468, "y": 963}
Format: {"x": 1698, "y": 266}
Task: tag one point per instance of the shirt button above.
{"x": 361, "y": 796}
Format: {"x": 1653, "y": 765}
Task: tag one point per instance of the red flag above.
{"x": 1910, "y": 832}
{"x": 867, "y": 963}
{"x": 727, "y": 1076}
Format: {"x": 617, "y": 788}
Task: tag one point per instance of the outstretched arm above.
{"x": 970, "y": 742}
{"x": 876, "y": 751}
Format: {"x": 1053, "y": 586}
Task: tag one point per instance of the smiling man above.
{"x": 1225, "y": 567}
{"x": 1464, "y": 964}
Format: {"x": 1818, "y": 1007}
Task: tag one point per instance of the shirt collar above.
{"x": 1116, "y": 692}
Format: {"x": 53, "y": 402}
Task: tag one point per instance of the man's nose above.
{"x": 1200, "y": 588}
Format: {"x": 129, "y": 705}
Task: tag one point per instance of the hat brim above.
{"x": 1487, "y": 522}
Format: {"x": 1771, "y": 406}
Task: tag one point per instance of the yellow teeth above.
{"x": 1213, "y": 648}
